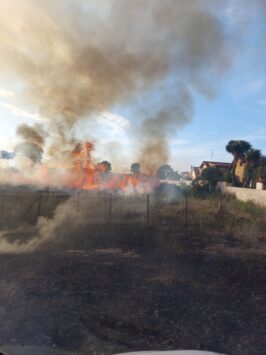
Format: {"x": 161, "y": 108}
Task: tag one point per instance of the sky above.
{"x": 236, "y": 111}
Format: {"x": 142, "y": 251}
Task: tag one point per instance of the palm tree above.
{"x": 253, "y": 157}
{"x": 238, "y": 149}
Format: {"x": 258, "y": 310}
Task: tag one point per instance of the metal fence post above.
{"x": 110, "y": 209}
{"x": 39, "y": 209}
{"x": 186, "y": 211}
{"x": 148, "y": 209}
{"x": 78, "y": 201}
{"x": 2, "y": 209}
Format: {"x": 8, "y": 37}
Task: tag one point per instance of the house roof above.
{"x": 215, "y": 163}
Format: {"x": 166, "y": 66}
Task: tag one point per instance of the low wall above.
{"x": 257, "y": 196}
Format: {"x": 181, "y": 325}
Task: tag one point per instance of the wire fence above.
{"x": 98, "y": 207}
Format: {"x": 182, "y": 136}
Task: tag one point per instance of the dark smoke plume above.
{"x": 175, "y": 109}
{"x": 29, "y": 150}
{"x": 34, "y": 134}
{"x": 76, "y": 58}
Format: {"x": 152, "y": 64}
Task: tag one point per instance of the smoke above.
{"x": 28, "y": 150}
{"x": 175, "y": 109}
{"x": 22, "y": 237}
{"x": 71, "y": 220}
{"x": 33, "y": 134}
{"x": 75, "y": 59}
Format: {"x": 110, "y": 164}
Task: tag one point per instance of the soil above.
{"x": 110, "y": 296}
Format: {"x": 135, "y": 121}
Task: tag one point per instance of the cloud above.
{"x": 21, "y": 112}
{"x": 113, "y": 121}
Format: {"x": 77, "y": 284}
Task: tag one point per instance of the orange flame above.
{"x": 89, "y": 176}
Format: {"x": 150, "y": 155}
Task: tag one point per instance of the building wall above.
{"x": 193, "y": 174}
{"x": 257, "y": 196}
{"x": 240, "y": 169}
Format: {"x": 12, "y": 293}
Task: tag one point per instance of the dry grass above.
{"x": 217, "y": 219}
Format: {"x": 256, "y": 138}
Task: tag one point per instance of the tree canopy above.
{"x": 238, "y": 148}
{"x": 212, "y": 175}
{"x": 252, "y": 159}
{"x": 135, "y": 168}
{"x": 105, "y": 166}
{"x": 166, "y": 172}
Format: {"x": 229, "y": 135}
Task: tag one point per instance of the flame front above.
{"x": 86, "y": 175}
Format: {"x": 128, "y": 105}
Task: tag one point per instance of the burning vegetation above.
{"x": 78, "y": 171}
{"x": 88, "y": 176}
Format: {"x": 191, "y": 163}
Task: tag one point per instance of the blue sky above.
{"x": 238, "y": 111}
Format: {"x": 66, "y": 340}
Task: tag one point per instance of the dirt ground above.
{"x": 110, "y": 295}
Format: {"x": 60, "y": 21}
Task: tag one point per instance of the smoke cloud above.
{"x": 75, "y": 216}
{"x": 34, "y": 134}
{"x": 77, "y": 58}
{"x": 175, "y": 109}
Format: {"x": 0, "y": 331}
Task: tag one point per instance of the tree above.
{"x": 166, "y": 172}
{"x": 228, "y": 176}
{"x": 135, "y": 168}
{"x": 238, "y": 149}
{"x": 261, "y": 173}
{"x": 253, "y": 157}
{"x": 29, "y": 150}
{"x": 104, "y": 171}
{"x": 104, "y": 167}
{"x": 212, "y": 175}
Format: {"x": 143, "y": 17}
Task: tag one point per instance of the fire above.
{"x": 79, "y": 172}
{"x": 89, "y": 176}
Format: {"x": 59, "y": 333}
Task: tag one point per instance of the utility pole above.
{"x": 212, "y": 154}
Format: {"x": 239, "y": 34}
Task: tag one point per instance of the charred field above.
{"x": 92, "y": 272}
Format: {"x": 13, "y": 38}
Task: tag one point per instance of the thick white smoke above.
{"x": 75, "y": 58}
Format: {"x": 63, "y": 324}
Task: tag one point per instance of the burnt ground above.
{"x": 110, "y": 296}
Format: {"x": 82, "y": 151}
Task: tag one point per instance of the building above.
{"x": 240, "y": 169}
{"x": 220, "y": 165}
{"x": 241, "y": 164}
{"x": 195, "y": 172}
{"x": 185, "y": 175}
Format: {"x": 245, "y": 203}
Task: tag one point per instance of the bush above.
{"x": 200, "y": 191}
